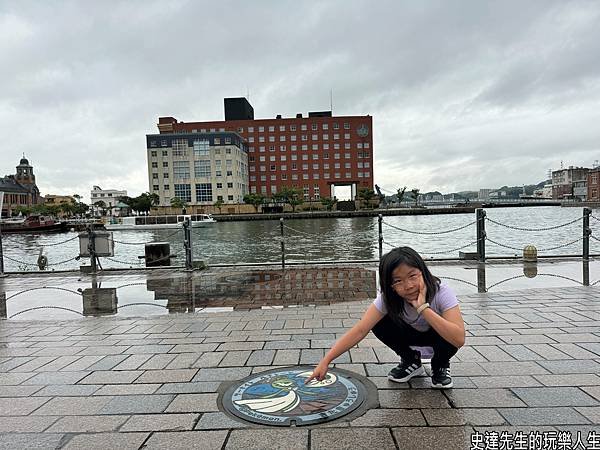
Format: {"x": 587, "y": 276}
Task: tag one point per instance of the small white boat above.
{"x": 158, "y": 222}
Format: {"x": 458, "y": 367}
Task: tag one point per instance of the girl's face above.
{"x": 406, "y": 281}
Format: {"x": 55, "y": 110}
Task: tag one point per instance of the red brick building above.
{"x": 593, "y": 185}
{"x": 312, "y": 153}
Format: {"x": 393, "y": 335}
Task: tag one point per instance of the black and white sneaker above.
{"x": 406, "y": 370}
{"x": 441, "y": 378}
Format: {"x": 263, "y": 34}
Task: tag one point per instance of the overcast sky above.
{"x": 464, "y": 94}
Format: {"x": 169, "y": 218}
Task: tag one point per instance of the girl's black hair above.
{"x": 402, "y": 255}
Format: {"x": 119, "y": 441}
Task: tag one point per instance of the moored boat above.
{"x": 158, "y": 222}
{"x": 32, "y": 224}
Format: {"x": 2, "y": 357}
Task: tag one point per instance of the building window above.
{"x": 294, "y": 148}
{"x": 152, "y": 143}
{"x": 284, "y": 176}
{"x": 294, "y": 177}
{"x": 165, "y": 175}
{"x": 183, "y": 192}
{"x": 346, "y": 126}
{"x": 346, "y": 155}
{"x": 281, "y": 127}
{"x": 315, "y": 137}
{"x": 250, "y": 129}
{"x": 273, "y": 177}
{"x": 227, "y": 141}
{"x": 325, "y": 137}
{"x": 201, "y": 147}
{"x": 315, "y": 156}
{"x": 165, "y": 164}
{"x": 179, "y": 147}
{"x": 219, "y": 185}
{"x": 154, "y": 165}
{"x": 181, "y": 169}
{"x": 271, "y": 128}
{"x": 230, "y": 198}
{"x": 204, "y": 192}
{"x": 272, "y": 167}
{"x": 166, "y": 187}
{"x": 346, "y": 135}
{"x": 201, "y": 168}
{"x": 217, "y": 141}
{"x": 153, "y": 153}
{"x": 315, "y": 146}
{"x": 165, "y": 153}
{"x": 230, "y": 185}
{"x": 154, "y": 175}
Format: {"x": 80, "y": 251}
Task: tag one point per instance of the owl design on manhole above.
{"x": 282, "y": 397}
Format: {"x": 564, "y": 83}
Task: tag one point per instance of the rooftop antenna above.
{"x": 331, "y": 100}
{"x": 561, "y": 165}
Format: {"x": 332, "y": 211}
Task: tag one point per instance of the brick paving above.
{"x": 531, "y": 365}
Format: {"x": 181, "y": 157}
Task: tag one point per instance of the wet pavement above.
{"x": 137, "y": 359}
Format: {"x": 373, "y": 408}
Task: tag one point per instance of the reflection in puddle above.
{"x": 187, "y": 293}
{"x": 221, "y": 291}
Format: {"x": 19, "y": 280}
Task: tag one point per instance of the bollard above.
{"x": 187, "y": 243}
{"x": 380, "y": 220}
{"x": 480, "y": 234}
{"x": 586, "y": 233}
{"x": 92, "y": 247}
{"x": 282, "y": 244}
{"x": 530, "y": 253}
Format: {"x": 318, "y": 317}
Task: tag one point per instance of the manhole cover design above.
{"x": 282, "y": 397}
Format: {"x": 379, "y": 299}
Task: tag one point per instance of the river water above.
{"x": 324, "y": 239}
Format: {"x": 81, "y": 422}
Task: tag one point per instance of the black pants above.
{"x": 399, "y": 336}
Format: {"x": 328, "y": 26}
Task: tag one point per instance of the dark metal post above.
{"x": 2, "y": 274}
{"x": 187, "y": 243}
{"x": 92, "y": 247}
{"x": 586, "y": 273}
{"x": 481, "y": 283}
{"x": 282, "y": 244}
{"x": 586, "y": 233}
{"x": 380, "y": 221}
{"x": 480, "y": 234}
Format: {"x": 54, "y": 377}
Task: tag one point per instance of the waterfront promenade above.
{"x": 529, "y": 370}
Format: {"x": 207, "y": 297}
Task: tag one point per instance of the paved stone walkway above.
{"x": 528, "y": 373}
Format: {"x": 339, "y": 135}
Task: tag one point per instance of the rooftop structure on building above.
{"x": 316, "y": 153}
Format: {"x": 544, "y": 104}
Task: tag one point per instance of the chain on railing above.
{"x": 430, "y": 232}
{"x": 34, "y": 308}
{"x": 451, "y": 250}
{"x": 512, "y": 227}
{"x": 458, "y": 279}
{"x": 43, "y": 287}
{"x": 130, "y": 263}
{"x": 538, "y": 275}
{"x": 539, "y": 249}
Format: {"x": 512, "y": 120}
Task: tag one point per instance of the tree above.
{"x": 400, "y": 194}
{"x": 415, "y": 193}
{"x": 366, "y": 194}
{"x": 176, "y": 202}
{"x": 100, "y": 205}
{"x": 254, "y": 199}
{"x": 328, "y": 203}
{"x": 292, "y": 195}
{"x": 219, "y": 204}
{"x": 154, "y": 199}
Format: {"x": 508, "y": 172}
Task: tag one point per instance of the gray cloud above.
{"x": 464, "y": 94}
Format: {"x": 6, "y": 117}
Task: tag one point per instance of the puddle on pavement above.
{"x": 220, "y": 290}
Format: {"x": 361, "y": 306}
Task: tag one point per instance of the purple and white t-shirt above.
{"x": 443, "y": 300}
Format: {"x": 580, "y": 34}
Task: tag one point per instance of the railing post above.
{"x": 282, "y": 243}
{"x": 187, "y": 243}
{"x": 2, "y": 274}
{"x": 380, "y": 220}
{"x": 480, "y": 234}
{"x": 586, "y": 233}
{"x": 92, "y": 247}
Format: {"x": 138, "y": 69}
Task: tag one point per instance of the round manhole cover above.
{"x": 282, "y": 397}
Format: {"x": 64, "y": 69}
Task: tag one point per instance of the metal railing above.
{"x": 288, "y": 237}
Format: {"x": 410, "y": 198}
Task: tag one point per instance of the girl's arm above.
{"x": 449, "y": 325}
{"x": 352, "y": 337}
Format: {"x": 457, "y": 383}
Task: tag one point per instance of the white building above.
{"x": 110, "y": 197}
{"x": 198, "y": 168}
